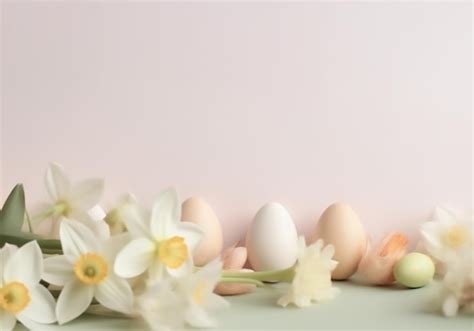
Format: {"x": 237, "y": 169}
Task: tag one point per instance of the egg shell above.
{"x": 272, "y": 241}
{"x": 340, "y": 226}
{"x": 414, "y": 270}
{"x": 234, "y": 257}
{"x": 196, "y": 210}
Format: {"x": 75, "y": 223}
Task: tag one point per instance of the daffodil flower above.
{"x": 171, "y": 303}
{"x": 161, "y": 242}
{"x": 161, "y": 307}
{"x": 455, "y": 292}
{"x": 22, "y": 298}
{"x": 86, "y": 272}
{"x": 73, "y": 201}
{"x": 198, "y": 290}
{"x": 448, "y": 235}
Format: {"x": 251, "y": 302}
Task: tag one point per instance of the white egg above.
{"x": 272, "y": 240}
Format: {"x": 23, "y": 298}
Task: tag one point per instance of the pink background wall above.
{"x": 245, "y": 103}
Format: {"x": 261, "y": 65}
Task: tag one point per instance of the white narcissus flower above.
{"x": 22, "y": 298}
{"x": 171, "y": 303}
{"x": 161, "y": 306}
{"x": 75, "y": 201}
{"x": 455, "y": 292}
{"x": 198, "y": 291}
{"x": 161, "y": 242}
{"x": 86, "y": 272}
{"x": 312, "y": 279}
{"x": 448, "y": 235}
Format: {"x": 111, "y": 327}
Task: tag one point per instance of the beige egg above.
{"x": 340, "y": 226}
{"x": 196, "y": 210}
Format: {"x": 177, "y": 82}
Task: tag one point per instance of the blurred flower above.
{"x": 161, "y": 242}
{"x": 161, "y": 307}
{"x": 377, "y": 264}
{"x": 198, "y": 291}
{"x": 22, "y": 298}
{"x": 78, "y": 202}
{"x": 85, "y": 271}
{"x": 448, "y": 235}
{"x": 455, "y": 292}
{"x": 312, "y": 275}
{"x": 233, "y": 259}
{"x": 115, "y": 217}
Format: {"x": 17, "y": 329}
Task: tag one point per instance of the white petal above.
{"x": 25, "y": 265}
{"x": 41, "y": 307}
{"x": 87, "y": 193}
{"x": 58, "y": 270}
{"x": 5, "y": 254}
{"x": 191, "y": 233}
{"x": 99, "y": 228}
{"x": 57, "y": 183}
{"x": 431, "y": 232}
{"x": 27, "y": 322}
{"x": 7, "y": 321}
{"x": 115, "y": 293}
{"x": 328, "y": 252}
{"x": 284, "y": 300}
{"x": 211, "y": 272}
{"x": 166, "y": 212}
{"x": 73, "y": 301}
{"x": 182, "y": 271}
{"x": 137, "y": 221}
{"x": 134, "y": 258}
{"x": 450, "y": 306}
{"x": 112, "y": 246}
{"x": 199, "y": 318}
{"x": 215, "y": 302}
{"x": 76, "y": 239}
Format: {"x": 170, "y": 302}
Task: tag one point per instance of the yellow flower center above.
{"x": 91, "y": 268}
{"x": 14, "y": 297}
{"x": 456, "y": 236}
{"x": 198, "y": 294}
{"x": 173, "y": 252}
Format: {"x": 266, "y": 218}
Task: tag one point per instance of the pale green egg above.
{"x": 414, "y": 270}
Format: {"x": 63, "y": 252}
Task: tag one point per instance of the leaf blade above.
{"x": 13, "y": 211}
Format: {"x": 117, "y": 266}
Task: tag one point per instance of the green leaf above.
{"x": 13, "y": 211}
{"x": 22, "y": 238}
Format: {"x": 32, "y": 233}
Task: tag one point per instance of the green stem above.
{"x": 283, "y": 275}
{"x": 50, "y": 244}
{"x": 51, "y": 251}
{"x": 242, "y": 281}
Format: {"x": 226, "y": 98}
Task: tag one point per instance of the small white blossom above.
{"x": 312, "y": 279}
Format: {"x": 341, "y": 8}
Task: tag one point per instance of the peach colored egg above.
{"x": 234, "y": 257}
{"x": 340, "y": 226}
{"x": 196, "y": 210}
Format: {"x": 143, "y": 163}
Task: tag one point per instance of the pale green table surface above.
{"x": 356, "y": 307}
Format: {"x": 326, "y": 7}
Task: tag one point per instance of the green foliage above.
{"x": 12, "y": 217}
{"x": 12, "y": 214}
